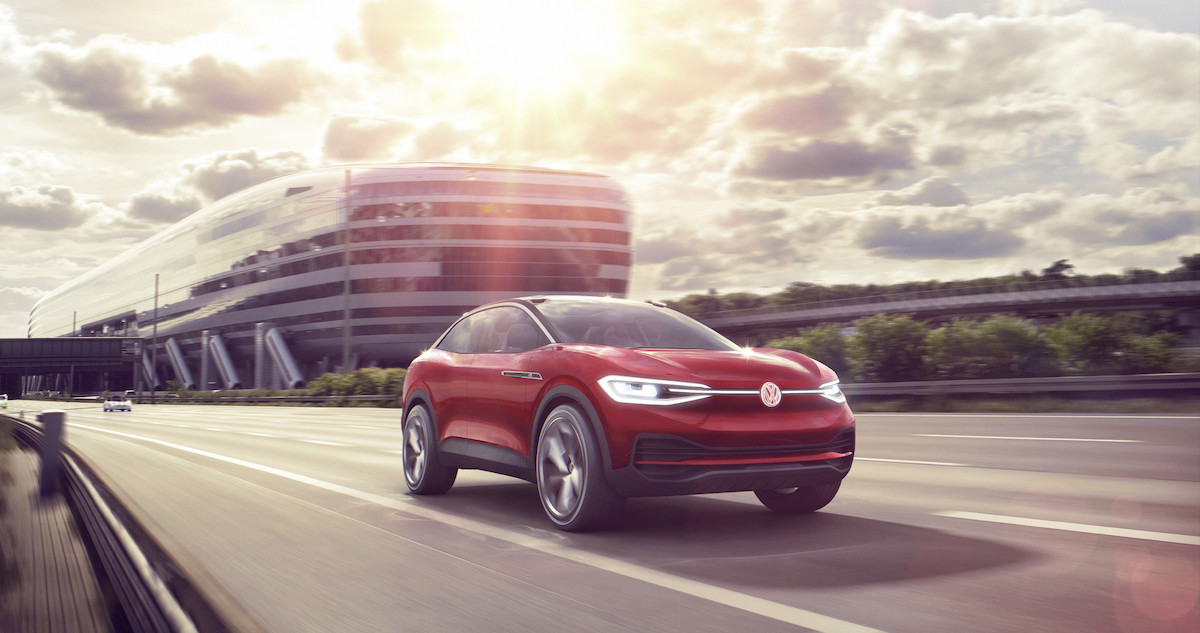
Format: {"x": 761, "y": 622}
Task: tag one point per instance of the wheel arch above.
{"x": 418, "y": 396}
{"x": 570, "y": 394}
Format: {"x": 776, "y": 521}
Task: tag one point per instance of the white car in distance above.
{"x": 117, "y": 402}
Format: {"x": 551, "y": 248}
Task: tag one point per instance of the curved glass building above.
{"x": 364, "y": 264}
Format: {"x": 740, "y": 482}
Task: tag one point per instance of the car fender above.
{"x": 555, "y": 395}
{"x": 418, "y": 395}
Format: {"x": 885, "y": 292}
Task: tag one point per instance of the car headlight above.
{"x": 628, "y": 390}
{"x": 833, "y": 391}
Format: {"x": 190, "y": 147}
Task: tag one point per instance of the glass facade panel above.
{"x": 257, "y": 254}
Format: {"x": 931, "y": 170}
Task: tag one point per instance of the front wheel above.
{"x": 799, "y": 500}
{"x": 570, "y": 474}
{"x": 423, "y": 471}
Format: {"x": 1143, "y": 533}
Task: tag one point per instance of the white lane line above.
{"x": 369, "y": 428}
{"x": 1056, "y": 416}
{"x": 905, "y": 461}
{"x": 260, "y": 434}
{"x": 728, "y": 597}
{"x": 324, "y": 443}
{"x": 1035, "y": 439}
{"x": 1145, "y": 535}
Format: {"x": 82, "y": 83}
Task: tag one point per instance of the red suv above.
{"x": 595, "y": 400}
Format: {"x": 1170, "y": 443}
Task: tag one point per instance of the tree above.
{"x": 1060, "y": 269}
{"x": 1087, "y": 344}
{"x": 1190, "y": 263}
{"x": 824, "y": 343}
{"x": 1000, "y": 347}
{"x": 888, "y": 348}
{"x": 740, "y": 301}
{"x": 697, "y": 306}
{"x": 1147, "y": 354}
{"x": 797, "y": 292}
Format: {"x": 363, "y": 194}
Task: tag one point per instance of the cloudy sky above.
{"x": 763, "y": 141}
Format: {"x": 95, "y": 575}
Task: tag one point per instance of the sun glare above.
{"x": 540, "y": 44}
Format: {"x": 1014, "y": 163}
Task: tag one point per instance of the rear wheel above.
{"x": 570, "y": 474}
{"x": 799, "y": 500}
{"x": 423, "y": 472}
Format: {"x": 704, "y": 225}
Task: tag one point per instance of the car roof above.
{"x": 535, "y": 300}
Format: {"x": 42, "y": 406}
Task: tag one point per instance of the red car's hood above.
{"x": 727, "y": 369}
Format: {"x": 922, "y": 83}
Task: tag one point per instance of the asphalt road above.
{"x": 947, "y": 523}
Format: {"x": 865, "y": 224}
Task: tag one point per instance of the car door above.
{"x": 446, "y": 376}
{"x": 502, "y": 380}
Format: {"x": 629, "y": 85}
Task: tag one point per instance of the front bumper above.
{"x": 670, "y": 465}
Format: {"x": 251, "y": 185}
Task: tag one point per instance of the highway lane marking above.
{"x": 324, "y": 443}
{"x": 727, "y": 597}
{"x": 1057, "y": 416}
{"x": 905, "y": 461}
{"x": 1037, "y": 439}
{"x": 1145, "y": 535}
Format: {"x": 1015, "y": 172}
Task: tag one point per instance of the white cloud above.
{"x": 362, "y": 138}
{"x": 937, "y": 191}
{"x": 130, "y": 86}
{"x": 220, "y": 174}
{"x": 764, "y": 142}
{"x": 45, "y": 207}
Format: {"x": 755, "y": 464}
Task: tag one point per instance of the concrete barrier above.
{"x": 53, "y": 427}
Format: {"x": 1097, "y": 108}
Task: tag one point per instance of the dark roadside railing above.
{"x": 1131, "y": 384}
{"x": 151, "y": 592}
{"x": 1120, "y": 385}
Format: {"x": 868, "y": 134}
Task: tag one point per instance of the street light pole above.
{"x": 346, "y": 278}
{"x": 154, "y": 346}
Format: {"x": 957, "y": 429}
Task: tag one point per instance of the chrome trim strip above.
{"x": 528, "y": 375}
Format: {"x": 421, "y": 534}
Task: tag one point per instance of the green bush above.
{"x": 328, "y": 384}
{"x": 825, "y": 343}
{"x": 370, "y": 381}
{"x": 1000, "y": 347}
{"x": 1088, "y": 344}
{"x": 1142, "y": 354}
{"x": 888, "y": 348}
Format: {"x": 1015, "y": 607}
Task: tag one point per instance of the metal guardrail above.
{"x": 1157, "y": 384}
{"x": 265, "y": 400}
{"x": 153, "y": 594}
{"x": 1148, "y": 384}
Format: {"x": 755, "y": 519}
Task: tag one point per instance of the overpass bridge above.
{"x": 1039, "y": 299}
{"x": 68, "y": 365}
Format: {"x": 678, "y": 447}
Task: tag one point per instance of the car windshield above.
{"x": 629, "y": 325}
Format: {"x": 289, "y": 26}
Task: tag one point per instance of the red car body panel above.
{"x": 725, "y": 441}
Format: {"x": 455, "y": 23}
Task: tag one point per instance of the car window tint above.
{"x": 629, "y": 325}
{"x": 458, "y": 339}
{"x": 509, "y": 330}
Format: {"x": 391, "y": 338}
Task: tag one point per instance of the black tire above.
{"x": 423, "y": 471}
{"x": 570, "y": 474}
{"x": 799, "y": 500}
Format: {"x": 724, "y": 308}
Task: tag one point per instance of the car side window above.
{"x": 458, "y": 339}
{"x": 503, "y": 330}
{"x": 510, "y": 331}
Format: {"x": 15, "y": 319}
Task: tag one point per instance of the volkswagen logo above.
{"x": 770, "y": 394}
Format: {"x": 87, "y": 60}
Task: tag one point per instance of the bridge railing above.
{"x": 941, "y": 293}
